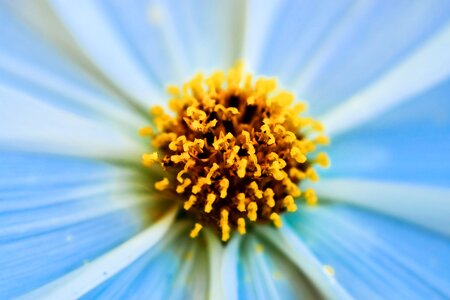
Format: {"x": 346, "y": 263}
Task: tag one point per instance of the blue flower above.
{"x": 77, "y": 219}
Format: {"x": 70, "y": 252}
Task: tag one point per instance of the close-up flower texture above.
{"x": 224, "y": 149}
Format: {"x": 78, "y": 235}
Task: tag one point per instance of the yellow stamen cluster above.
{"x": 234, "y": 150}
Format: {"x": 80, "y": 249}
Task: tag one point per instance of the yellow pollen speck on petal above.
{"x": 232, "y": 150}
{"x": 329, "y": 270}
{"x": 162, "y": 185}
{"x": 259, "y": 248}
{"x": 196, "y": 230}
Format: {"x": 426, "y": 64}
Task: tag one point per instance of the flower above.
{"x": 78, "y": 216}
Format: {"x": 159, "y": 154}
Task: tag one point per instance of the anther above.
{"x": 196, "y": 230}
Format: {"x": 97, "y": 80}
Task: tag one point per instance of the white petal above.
{"x": 81, "y": 281}
{"x": 373, "y": 255}
{"x": 45, "y": 71}
{"x": 426, "y": 67}
{"x": 55, "y": 209}
{"x": 109, "y": 53}
{"x": 287, "y": 241}
{"x": 426, "y": 206}
{"x": 30, "y": 124}
{"x": 215, "y": 254}
{"x": 260, "y": 20}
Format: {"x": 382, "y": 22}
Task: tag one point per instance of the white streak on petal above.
{"x": 426, "y": 206}
{"x": 215, "y": 255}
{"x": 423, "y": 69}
{"x": 337, "y": 37}
{"x": 258, "y": 25}
{"x": 289, "y": 243}
{"x": 79, "y": 282}
{"x": 76, "y": 93}
{"x": 104, "y": 47}
{"x": 32, "y": 125}
{"x": 229, "y": 270}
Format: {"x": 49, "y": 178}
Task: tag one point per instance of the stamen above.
{"x": 196, "y": 230}
{"x": 162, "y": 185}
{"x": 234, "y": 151}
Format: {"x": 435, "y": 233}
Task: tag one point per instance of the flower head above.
{"x": 218, "y": 195}
{"x": 234, "y": 151}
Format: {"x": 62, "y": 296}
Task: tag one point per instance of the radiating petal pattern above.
{"x": 79, "y": 219}
{"x": 84, "y": 279}
{"x": 30, "y": 124}
{"x": 174, "y": 268}
{"x": 426, "y": 206}
{"x": 374, "y": 256}
{"x": 58, "y": 213}
{"x": 47, "y": 73}
{"x": 205, "y": 35}
{"x": 118, "y": 60}
{"x": 327, "y": 51}
{"x": 424, "y": 68}
{"x": 410, "y": 143}
{"x": 267, "y": 267}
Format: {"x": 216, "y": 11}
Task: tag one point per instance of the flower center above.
{"x": 234, "y": 151}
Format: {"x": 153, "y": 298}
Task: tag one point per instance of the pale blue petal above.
{"x": 106, "y": 48}
{"x": 375, "y": 256}
{"x": 267, "y": 267}
{"x": 58, "y": 213}
{"x": 30, "y": 124}
{"x": 142, "y": 29}
{"x": 47, "y": 74}
{"x": 429, "y": 65}
{"x": 174, "y": 268}
{"x": 327, "y": 51}
{"x": 207, "y": 34}
{"x": 411, "y": 143}
{"x": 293, "y": 28}
{"x": 418, "y": 204}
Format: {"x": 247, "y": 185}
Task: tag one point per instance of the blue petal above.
{"x": 181, "y": 35}
{"x": 28, "y": 123}
{"x": 327, "y": 52}
{"x": 266, "y": 267}
{"x": 48, "y": 75}
{"x": 111, "y": 54}
{"x": 418, "y": 204}
{"x": 375, "y": 256}
{"x": 407, "y": 144}
{"x": 58, "y": 213}
{"x": 175, "y": 268}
